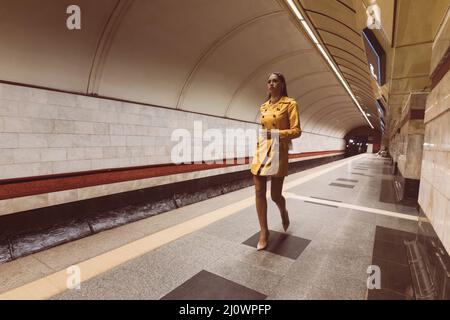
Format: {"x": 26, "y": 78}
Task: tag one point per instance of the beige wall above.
{"x": 44, "y": 132}
{"x": 411, "y": 137}
{"x": 434, "y": 191}
{"x": 434, "y": 194}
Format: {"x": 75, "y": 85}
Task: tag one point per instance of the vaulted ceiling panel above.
{"x": 211, "y": 57}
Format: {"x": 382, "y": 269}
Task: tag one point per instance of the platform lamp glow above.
{"x": 314, "y": 39}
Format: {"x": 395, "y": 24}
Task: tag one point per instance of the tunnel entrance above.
{"x": 362, "y": 140}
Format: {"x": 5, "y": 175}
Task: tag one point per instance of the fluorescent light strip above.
{"x": 310, "y": 32}
{"x": 327, "y": 57}
{"x": 295, "y": 9}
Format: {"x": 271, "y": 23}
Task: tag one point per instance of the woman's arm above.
{"x": 294, "y": 121}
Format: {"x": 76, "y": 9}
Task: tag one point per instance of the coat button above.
{"x": 263, "y": 116}
{"x": 274, "y": 116}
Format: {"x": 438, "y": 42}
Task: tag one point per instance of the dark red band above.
{"x": 20, "y": 187}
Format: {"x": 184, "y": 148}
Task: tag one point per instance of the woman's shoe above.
{"x": 285, "y": 220}
{"x": 263, "y": 245}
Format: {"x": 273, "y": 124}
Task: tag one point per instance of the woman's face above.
{"x": 274, "y": 85}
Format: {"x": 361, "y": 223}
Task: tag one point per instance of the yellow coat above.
{"x": 271, "y": 156}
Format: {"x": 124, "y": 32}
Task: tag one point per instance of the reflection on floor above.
{"x": 389, "y": 253}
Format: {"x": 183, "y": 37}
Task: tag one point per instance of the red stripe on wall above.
{"x": 20, "y": 187}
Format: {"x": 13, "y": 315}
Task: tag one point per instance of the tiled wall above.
{"x": 395, "y": 146}
{"x": 412, "y": 136}
{"x": 44, "y": 132}
{"x": 434, "y": 191}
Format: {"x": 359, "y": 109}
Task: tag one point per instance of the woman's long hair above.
{"x": 283, "y": 84}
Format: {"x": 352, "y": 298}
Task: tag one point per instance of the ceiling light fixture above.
{"x": 314, "y": 39}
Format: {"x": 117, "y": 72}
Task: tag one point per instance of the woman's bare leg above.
{"x": 261, "y": 208}
{"x": 276, "y": 188}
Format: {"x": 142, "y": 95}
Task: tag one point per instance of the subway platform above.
{"x": 345, "y": 222}
{"x": 128, "y": 128}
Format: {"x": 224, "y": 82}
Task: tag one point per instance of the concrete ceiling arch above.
{"x": 336, "y": 116}
{"x": 218, "y": 43}
{"x": 312, "y": 97}
{"x": 324, "y": 101}
{"x": 347, "y": 124}
{"x": 328, "y": 106}
{"x": 234, "y": 61}
{"x": 315, "y": 123}
{"x": 256, "y": 81}
{"x": 338, "y": 113}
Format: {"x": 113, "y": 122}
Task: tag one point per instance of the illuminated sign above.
{"x": 380, "y": 107}
{"x": 382, "y": 124}
{"x": 376, "y": 57}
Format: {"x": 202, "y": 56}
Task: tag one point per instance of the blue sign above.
{"x": 376, "y": 57}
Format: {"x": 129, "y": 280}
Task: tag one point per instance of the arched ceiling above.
{"x": 336, "y": 24}
{"x": 211, "y": 57}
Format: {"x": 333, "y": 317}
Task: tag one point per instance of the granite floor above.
{"x": 343, "y": 221}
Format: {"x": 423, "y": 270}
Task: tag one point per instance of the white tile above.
{"x": 106, "y": 105}
{"x": 26, "y": 155}
{"x": 6, "y": 156}
{"x": 134, "y": 141}
{"x": 101, "y": 128}
{"x": 110, "y": 152}
{"x": 9, "y": 108}
{"x": 33, "y": 140}
{"x": 86, "y": 140}
{"x": 75, "y": 153}
{"x": 82, "y": 127}
{"x": 60, "y": 140}
{"x": 87, "y": 102}
{"x": 53, "y": 154}
{"x": 100, "y": 140}
{"x": 64, "y": 126}
{"x": 119, "y": 141}
{"x": 74, "y": 114}
{"x": 94, "y": 153}
{"x": 71, "y": 166}
{"x": 38, "y": 110}
{"x": 61, "y": 98}
{"x": 9, "y": 140}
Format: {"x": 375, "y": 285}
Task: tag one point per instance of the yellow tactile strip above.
{"x": 56, "y": 283}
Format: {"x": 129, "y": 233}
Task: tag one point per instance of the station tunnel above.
{"x": 111, "y": 112}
